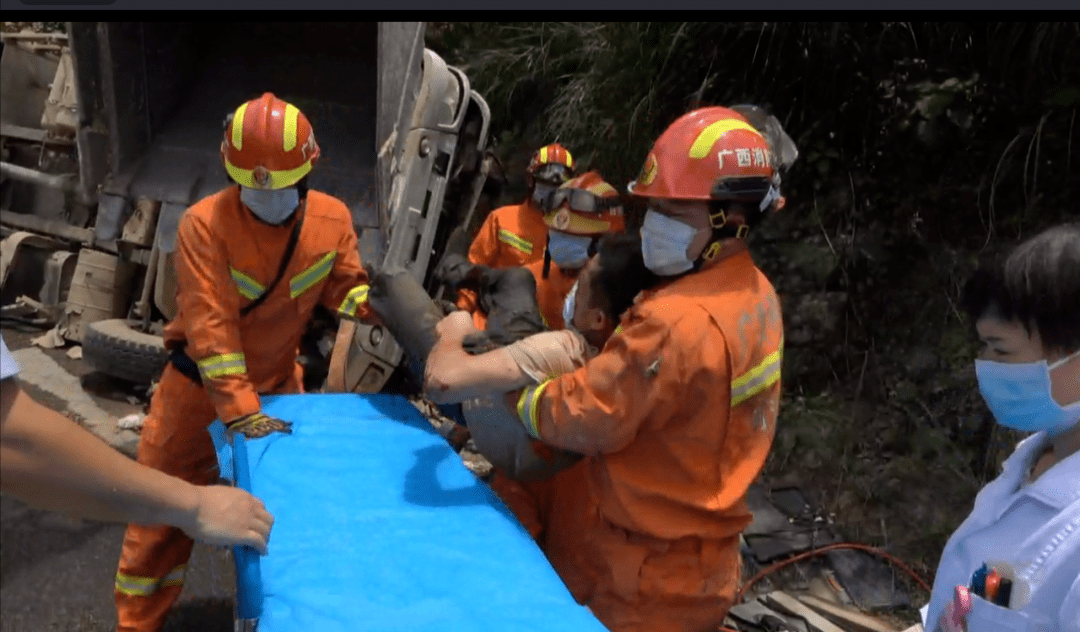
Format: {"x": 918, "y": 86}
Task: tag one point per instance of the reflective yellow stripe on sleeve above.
{"x": 757, "y": 379}
{"x": 222, "y": 365}
{"x": 353, "y": 300}
{"x": 146, "y": 586}
{"x": 248, "y": 287}
{"x": 511, "y": 239}
{"x": 309, "y": 278}
{"x": 527, "y": 407}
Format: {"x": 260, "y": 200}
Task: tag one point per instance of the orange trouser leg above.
{"x": 175, "y": 441}
{"x": 636, "y": 583}
{"x": 531, "y": 501}
{"x": 520, "y": 500}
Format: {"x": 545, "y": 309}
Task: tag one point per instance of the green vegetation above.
{"x": 924, "y": 146}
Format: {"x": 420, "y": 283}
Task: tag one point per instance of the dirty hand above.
{"x": 456, "y": 326}
{"x": 258, "y": 425}
{"x": 228, "y": 516}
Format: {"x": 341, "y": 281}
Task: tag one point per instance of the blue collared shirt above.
{"x": 8, "y": 367}
{"x": 1029, "y": 531}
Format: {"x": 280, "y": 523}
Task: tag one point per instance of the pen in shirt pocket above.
{"x": 992, "y": 585}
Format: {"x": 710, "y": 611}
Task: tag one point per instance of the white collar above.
{"x": 1058, "y": 486}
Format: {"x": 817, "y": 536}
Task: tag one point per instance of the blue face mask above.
{"x": 664, "y": 242}
{"x": 569, "y": 252}
{"x": 1019, "y": 396}
{"x": 272, "y": 206}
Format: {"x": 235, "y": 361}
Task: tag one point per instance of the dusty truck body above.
{"x": 402, "y": 137}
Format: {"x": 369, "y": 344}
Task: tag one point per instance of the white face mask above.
{"x": 271, "y": 206}
{"x": 569, "y": 252}
{"x": 568, "y": 308}
{"x": 664, "y": 243}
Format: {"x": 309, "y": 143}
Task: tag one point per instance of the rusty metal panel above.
{"x": 25, "y": 77}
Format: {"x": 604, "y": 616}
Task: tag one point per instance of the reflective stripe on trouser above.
{"x": 175, "y": 441}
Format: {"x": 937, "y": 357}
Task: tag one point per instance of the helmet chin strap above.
{"x": 724, "y": 228}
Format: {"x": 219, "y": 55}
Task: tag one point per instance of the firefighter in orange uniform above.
{"x": 515, "y": 235}
{"x": 252, "y": 263}
{"x": 675, "y": 416}
{"x": 583, "y": 209}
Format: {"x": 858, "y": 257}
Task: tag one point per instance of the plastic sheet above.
{"x": 379, "y": 526}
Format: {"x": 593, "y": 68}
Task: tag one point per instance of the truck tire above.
{"x": 114, "y": 347}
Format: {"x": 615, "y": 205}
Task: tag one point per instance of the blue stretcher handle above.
{"x": 248, "y": 580}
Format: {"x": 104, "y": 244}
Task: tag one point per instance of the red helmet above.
{"x": 708, "y": 154}
{"x": 586, "y": 205}
{"x": 558, "y": 157}
{"x": 268, "y": 144}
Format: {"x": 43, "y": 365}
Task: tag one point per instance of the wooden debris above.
{"x": 793, "y": 606}
{"x": 847, "y": 618}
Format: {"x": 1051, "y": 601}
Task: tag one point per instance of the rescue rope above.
{"x": 832, "y": 547}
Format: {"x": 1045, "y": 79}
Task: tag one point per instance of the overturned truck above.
{"x": 112, "y": 130}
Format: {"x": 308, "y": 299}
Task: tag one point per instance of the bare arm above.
{"x": 453, "y": 375}
{"x": 52, "y": 463}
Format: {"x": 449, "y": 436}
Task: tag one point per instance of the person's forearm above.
{"x": 52, "y": 463}
{"x": 442, "y": 371}
{"x": 454, "y": 375}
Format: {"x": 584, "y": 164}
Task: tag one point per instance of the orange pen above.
{"x": 993, "y": 582}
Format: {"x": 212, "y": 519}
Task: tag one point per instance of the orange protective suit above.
{"x": 510, "y": 236}
{"x": 513, "y": 235}
{"x": 675, "y": 416}
{"x": 225, "y": 257}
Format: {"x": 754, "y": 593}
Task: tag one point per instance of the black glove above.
{"x": 457, "y": 271}
{"x": 447, "y": 307}
{"x": 257, "y": 425}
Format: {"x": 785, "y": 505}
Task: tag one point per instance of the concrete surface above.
{"x": 68, "y": 385}
{"x": 57, "y": 574}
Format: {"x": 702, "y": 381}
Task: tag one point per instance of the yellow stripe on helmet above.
{"x": 292, "y": 115}
{"x": 238, "y": 126}
{"x": 601, "y": 188}
{"x": 708, "y": 136}
{"x": 278, "y": 179}
{"x": 543, "y": 155}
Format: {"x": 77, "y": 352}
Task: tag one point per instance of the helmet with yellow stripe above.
{"x": 586, "y": 205}
{"x": 712, "y": 153}
{"x": 551, "y": 163}
{"x": 269, "y": 144}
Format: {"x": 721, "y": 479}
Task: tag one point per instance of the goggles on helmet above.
{"x": 582, "y": 201}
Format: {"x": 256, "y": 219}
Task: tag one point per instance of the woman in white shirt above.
{"x": 1025, "y": 525}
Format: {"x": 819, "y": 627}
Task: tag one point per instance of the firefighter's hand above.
{"x": 229, "y": 516}
{"x": 258, "y": 425}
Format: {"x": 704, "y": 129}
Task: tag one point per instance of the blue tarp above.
{"x": 379, "y": 526}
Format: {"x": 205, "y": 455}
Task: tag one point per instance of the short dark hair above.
{"x": 620, "y": 272}
{"x": 1037, "y": 285}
